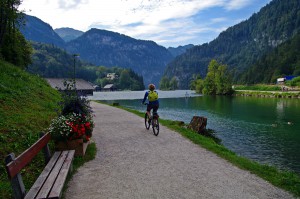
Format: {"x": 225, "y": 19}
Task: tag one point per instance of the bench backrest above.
{"x": 15, "y": 165}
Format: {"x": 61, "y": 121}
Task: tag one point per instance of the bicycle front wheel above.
{"x": 147, "y": 123}
{"x": 155, "y": 126}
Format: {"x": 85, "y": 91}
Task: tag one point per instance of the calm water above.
{"x": 263, "y": 129}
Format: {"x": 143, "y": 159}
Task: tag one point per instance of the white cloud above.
{"x": 237, "y": 4}
{"x": 70, "y": 4}
{"x": 160, "y": 20}
{"x": 217, "y": 20}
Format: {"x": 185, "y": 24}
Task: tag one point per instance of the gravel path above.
{"x": 133, "y": 163}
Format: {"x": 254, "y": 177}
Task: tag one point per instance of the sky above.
{"x": 169, "y": 23}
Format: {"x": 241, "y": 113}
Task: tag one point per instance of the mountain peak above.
{"x": 68, "y": 34}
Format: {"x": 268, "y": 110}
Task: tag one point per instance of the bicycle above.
{"x": 153, "y": 120}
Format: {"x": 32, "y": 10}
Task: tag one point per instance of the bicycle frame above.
{"x": 152, "y": 121}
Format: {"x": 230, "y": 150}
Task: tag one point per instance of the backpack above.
{"x": 152, "y": 96}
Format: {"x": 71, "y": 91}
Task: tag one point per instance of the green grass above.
{"x": 27, "y": 106}
{"x": 286, "y": 180}
{"x": 90, "y": 154}
{"x": 258, "y": 87}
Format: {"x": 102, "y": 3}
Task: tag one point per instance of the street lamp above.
{"x": 74, "y": 57}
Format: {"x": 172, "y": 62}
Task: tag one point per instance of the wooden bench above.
{"x": 52, "y": 179}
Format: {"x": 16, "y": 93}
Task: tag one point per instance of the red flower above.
{"x": 88, "y": 125}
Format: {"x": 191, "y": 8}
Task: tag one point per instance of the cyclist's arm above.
{"x": 145, "y": 98}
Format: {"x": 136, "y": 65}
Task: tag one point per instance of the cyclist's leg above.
{"x": 149, "y": 107}
{"x": 155, "y": 108}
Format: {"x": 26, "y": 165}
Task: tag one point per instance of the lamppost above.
{"x": 74, "y": 57}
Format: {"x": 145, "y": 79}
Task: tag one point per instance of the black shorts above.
{"x": 154, "y": 107}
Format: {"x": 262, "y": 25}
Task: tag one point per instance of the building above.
{"x": 109, "y": 87}
{"x": 97, "y": 88}
{"x": 111, "y": 76}
{"x": 83, "y": 87}
{"x": 280, "y": 80}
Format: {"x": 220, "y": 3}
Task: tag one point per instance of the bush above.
{"x": 294, "y": 82}
{"x": 72, "y": 102}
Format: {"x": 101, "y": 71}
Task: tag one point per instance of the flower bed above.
{"x": 72, "y": 126}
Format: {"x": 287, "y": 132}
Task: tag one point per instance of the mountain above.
{"x": 39, "y": 31}
{"x": 102, "y": 47}
{"x": 54, "y": 62}
{"x": 179, "y": 50}
{"x": 282, "y": 61}
{"x": 68, "y": 34}
{"x": 105, "y": 48}
{"x": 242, "y": 45}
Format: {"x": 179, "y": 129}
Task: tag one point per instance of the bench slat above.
{"x": 43, "y": 177}
{"x": 60, "y": 181}
{"x": 52, "y": 177}
{"x": 22, "y": 160}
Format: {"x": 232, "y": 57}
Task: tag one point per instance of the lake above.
{"x": 266, "y": 130}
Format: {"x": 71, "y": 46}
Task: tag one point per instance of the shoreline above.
{"x": 267, "y": 94}
{"x": 272, "y": 174}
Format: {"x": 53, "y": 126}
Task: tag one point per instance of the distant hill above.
{"x": 68, "y": 34}
{"x": 282, "y": 61}
{"x": 242, "y": 45}
{"x": 179, "y": 50}
{"x": 107, "y": 48}
{"x": 39, "y": 31}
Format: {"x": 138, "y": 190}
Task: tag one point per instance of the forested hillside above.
{"x": 242, "y": 45}
{"x": 107, "y": 48}
{"x": 124, "y": 79}
{"x": 51, "y": 61}
{"x": 282, "y": 61}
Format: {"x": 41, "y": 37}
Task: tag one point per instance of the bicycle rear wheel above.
{"x": 155, "y": 126}
{"x": 147, "y": 123}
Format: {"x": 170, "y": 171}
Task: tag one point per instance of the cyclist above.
{"x": 152, "y": 96}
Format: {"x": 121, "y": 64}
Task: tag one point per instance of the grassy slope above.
{"x": 27, "y": 105}
{"x": 286, "y": 180}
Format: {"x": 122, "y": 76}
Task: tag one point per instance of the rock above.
{"x": 198, "y": 124}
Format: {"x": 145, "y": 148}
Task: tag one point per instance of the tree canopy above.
{"x": 168, "y": 84}
{"x": 13, "y": 46}
{"x": 217, "y": 81}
